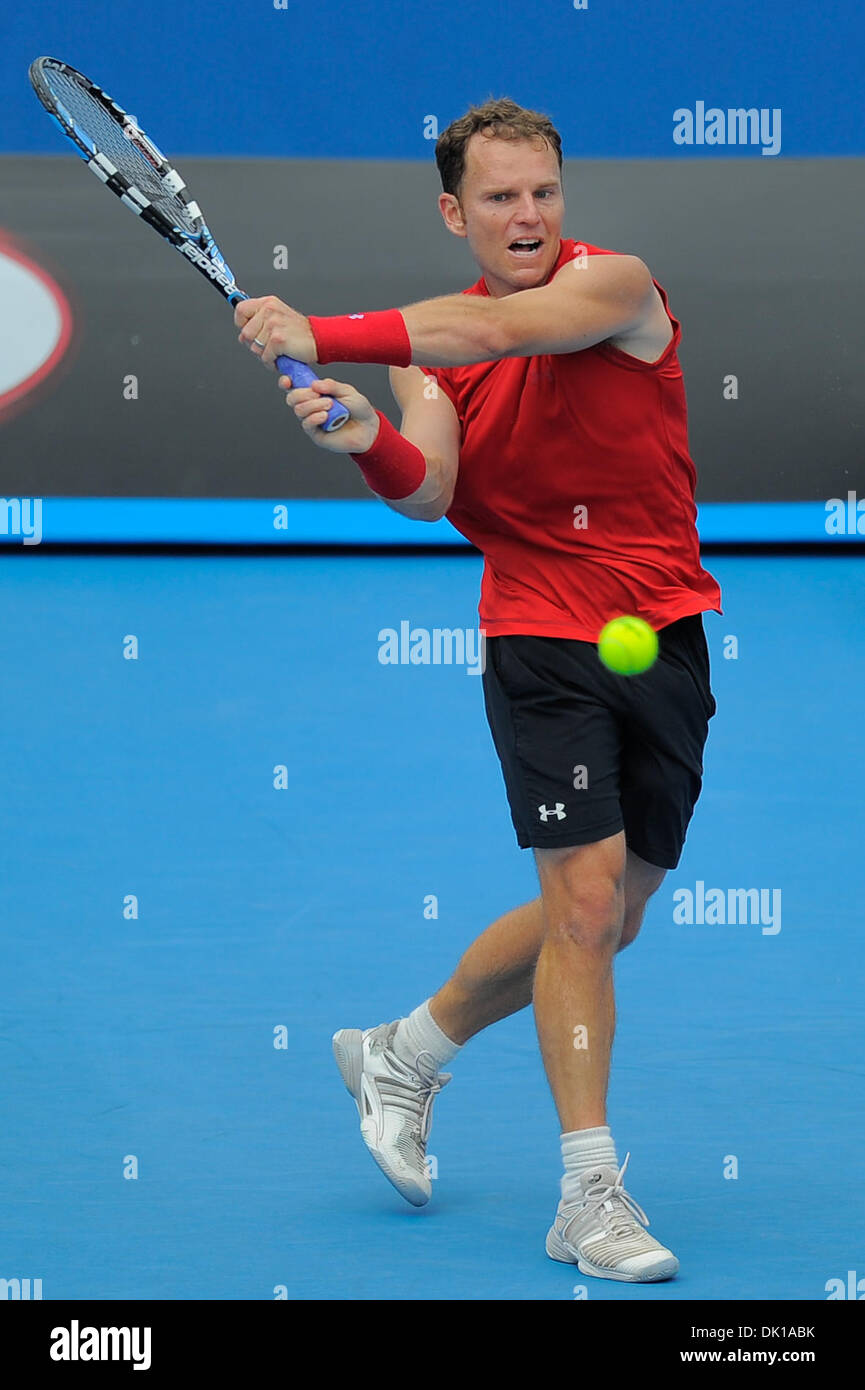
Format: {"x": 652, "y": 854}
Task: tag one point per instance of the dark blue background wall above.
{"x": 356, "y": 78}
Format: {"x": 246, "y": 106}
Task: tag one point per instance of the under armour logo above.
{"x": 558, "y": 811}
{"x": 355, "y": 316}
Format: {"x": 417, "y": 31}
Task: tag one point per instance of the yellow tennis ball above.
{"x": 628, "y": 646}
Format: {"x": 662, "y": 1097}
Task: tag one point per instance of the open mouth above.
{"x": 525, "y": 247}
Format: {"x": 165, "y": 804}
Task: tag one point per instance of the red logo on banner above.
{"x": 35, "y": 325}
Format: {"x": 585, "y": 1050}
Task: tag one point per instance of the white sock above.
{"x": 420, "y": 1033}
{"x": 582, "y": 1150}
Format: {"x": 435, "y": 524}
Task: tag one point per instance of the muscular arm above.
{"x": 589, "y": 300}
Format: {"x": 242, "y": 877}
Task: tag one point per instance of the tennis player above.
{"x": 543, "y": 412}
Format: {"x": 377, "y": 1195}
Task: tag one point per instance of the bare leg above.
{"x": 495, "y": 977}
{"x": 584, "y": 909}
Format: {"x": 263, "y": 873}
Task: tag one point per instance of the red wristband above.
{"x": 393, "y": 467}
{"x": 378, "y": 337}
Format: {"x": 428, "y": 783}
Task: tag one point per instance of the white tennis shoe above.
{"x": 605, "y": 1235}
{"x": 394, "y": 1102}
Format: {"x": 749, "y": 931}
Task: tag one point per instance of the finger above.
{"x": 274, "y": 344}
{"x": 305, "y": 409}
{"x": 245, "y": 310}
{"x": 252, "y": 329}
{"x": 339, "y": 390}
{"x": 315, "y": 422}
{"x": 300, "y": 393}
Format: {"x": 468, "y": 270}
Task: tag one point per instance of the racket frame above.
{"x": 196, "y": 246}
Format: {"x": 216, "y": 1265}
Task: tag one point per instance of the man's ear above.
{"x": 451, "y": 211}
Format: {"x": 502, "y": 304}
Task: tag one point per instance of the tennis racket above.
{"x": 126, "y": 161}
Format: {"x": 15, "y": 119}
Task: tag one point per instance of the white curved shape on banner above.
{"x": 35, "y": 323}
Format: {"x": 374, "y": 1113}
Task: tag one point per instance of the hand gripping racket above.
{"x": 126, "y": 161}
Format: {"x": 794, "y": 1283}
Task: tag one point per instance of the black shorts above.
{"x": 586, "y": 753}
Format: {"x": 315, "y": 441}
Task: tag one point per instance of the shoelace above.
{"x": 619, "y": 1223}
{"x": 429, "y": 1075}
{"x": 405, "y": 1094}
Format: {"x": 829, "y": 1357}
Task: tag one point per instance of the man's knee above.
{"x": 584, "y": 894}
{"x": 634, "y": 915}
{"x": 642, "y": 880}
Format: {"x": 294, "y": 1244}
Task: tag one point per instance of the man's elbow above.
{"x": 423, "y": 509}
{"x": 433, "y": 510}
{"x": 418, "y": 511}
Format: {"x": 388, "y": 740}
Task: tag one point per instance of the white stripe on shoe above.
{"x": 605, "y": 1235}
{"x": 394, "y": 1101}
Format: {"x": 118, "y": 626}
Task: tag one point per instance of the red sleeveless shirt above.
{"x": 577, "y": 485}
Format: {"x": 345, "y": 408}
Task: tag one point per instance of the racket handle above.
{"x": 302, "y": 375}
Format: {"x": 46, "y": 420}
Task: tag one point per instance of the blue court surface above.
{"x": 148, "y": 786}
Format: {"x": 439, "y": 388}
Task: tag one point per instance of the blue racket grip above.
{"x": 302, "y": 375}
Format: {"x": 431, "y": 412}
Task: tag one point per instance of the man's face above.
{"x": 511, "y": 191}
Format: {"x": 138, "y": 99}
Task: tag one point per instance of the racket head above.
{"x": 126, "y": 160}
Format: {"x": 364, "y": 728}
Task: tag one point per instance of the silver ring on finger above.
{"x": 259, "y": 343}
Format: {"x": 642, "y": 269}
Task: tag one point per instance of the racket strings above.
{"x": 105, "y": 133}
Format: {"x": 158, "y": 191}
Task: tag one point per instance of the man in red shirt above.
{"x": 543, "y": 412}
